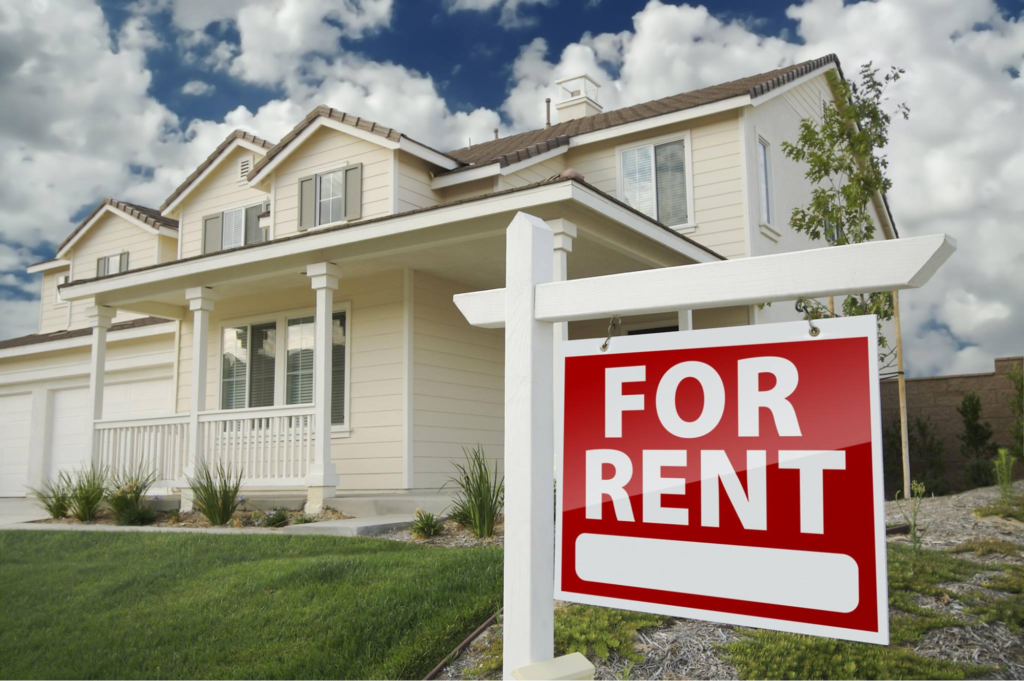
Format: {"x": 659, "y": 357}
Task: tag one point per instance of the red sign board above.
{"x": 731, "y": 475}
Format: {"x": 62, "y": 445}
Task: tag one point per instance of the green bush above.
{"x": 276, "y": 518}
{"x": 480, "y": 495}
{"x": 600, "y": 631}
{"x": 976, "y": 443}
{"x": 303, "y": 519}
{"x": 55, "y": 496}
{"x": 927, "y": 451}
{"x": 1016, "y": 403}
{"x": 87, "y": 491}
{"x": 126, "y": 497}
{"x": 215, "y": 492}
{"x": 1003, "y": 469}
{"x": 425, "y": 524}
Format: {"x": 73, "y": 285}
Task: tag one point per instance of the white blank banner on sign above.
{"x": 801, "y": 579}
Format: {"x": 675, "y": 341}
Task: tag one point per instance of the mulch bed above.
{"x": 454, "y": 536}
{"x": 243, "y": 519}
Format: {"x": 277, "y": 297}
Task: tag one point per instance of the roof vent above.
{"x": 244, "y": 166}
{"x": 578, "y": 98}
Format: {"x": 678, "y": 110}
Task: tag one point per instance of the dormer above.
{"x": 577, "y": 98}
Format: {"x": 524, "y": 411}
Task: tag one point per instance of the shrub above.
{"x": 917, "y": 489}
{"x": 927, "y": 451}
{"x": 55, "y": 496}
{"x": 303, "y": 519}
{"x": 87, "y": 493}
{"x": 173, "y": 517}
{"x": 976, "y": 442}
{"x": 216, "y": 492}
{"x": 127, "y": 497}
{"x": 481, "y": 494}
{"x": 276, "y": 518}
{"x": 1016, "y": 403}
{"x": 1003, "y": 469}
{"x": 425, "y": 524}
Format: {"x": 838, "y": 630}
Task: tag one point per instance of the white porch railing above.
{"x": 158, "y": 445}
{"x": 267, "y": 445}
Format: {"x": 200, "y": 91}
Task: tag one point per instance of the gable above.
{"x": 109, "y": 235}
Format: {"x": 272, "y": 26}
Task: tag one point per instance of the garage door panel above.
{"x": 15, "y": 429}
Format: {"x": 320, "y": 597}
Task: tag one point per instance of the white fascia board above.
{"x": 782, "y": 89}
{"x": 167, "y": 231}
{"x": 107, "y": 209}
{"x": 464, "y": 176}
{"x": 427, "y": 154}
{"x": 659, "y": 121}
{"x": 81, "y": 341}
{"x": 57, "y": 264}
{"x": 493, "y": 169}
{"x": 235, "y": 143}
{"x": 644, "y": 226}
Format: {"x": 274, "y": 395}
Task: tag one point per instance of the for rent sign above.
{"x": 731, "y": 475}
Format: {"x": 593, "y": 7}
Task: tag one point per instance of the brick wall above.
{"x": 939, "y": 397}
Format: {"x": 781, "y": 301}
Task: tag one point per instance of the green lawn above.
{"x": 126, "y": 605}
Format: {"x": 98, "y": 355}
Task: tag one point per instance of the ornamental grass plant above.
{"x": 480, "y": 494}
{"x": 215, "y": 492}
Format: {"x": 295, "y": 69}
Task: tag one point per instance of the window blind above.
{"x": 253, "y": 231}
{"x": 299, "y": 367}
{"x": 233, "y": 233}
{"x": 338, "y": 368}
{"x": 263, "y": 363}
{"x": 670, "y": 169}
{"x": 638, "y": 180}
{"x": 234, "y": 361}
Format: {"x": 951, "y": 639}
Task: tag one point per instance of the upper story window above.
{"x": 251, "y": 356}
{"x": 330, "y": 197}
{"x": 233, "y": 228}
{"x": 61, "y": 279}
{"x": 112, "y": 264}
{"x": 654, "y": 181}
{"x": 764, "y": 180}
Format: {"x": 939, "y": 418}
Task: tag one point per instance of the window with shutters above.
{"x": 331, "y": 197}
{"x": 112, "y": 264}
{"x": 258, "y": 371}
{"x": 233, "y": 228}
{"x": 654, "y": 178}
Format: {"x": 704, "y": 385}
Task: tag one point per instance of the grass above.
{"x": 126, "y": 605}
{"x": 1014, "y": 509}
{"x": 987, "y": 547}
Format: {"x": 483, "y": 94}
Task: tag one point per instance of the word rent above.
{"x": 717, "y": 472}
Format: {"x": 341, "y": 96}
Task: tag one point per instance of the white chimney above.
{"x": 577, "y": 98}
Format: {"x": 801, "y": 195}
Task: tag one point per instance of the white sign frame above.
{"x": 830, "y": 329}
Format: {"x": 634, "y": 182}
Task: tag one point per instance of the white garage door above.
{"x": 69, "y": 424}
{"x": 15, "y": 425}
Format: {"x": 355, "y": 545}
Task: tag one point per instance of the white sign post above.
{"x": 529, "y": 305}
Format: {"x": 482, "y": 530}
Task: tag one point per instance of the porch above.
{"x": 337, "y": 362}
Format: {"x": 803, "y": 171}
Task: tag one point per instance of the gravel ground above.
{"x": 688, "y": 649}
{"x": 453, "y": 536}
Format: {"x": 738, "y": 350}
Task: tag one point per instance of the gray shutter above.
{"x": 123, "y": 264}
{"x": 354, "y": 191}
{"x": 307, "y": 202}
{"x": 253, "y": 233}
{"x": 99, "y": 266}
{"x": 212, "y": 233}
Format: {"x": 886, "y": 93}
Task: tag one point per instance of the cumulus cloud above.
{"x": 510, "y": 13}
{"x": 197, "y": 88}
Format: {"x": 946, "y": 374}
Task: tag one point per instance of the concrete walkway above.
{"x": 13, "y": 511}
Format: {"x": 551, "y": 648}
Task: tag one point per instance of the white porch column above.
{"x": 529, "y": 460}
{"x": 322, "y": 480}
{"x": 565, "y": 232}
{"x": 200, "y": 301}
{"x": 99, "y": 317}
{"x": 686, "y": 320}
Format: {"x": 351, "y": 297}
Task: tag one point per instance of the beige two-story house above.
{"x": 288, "y": 309}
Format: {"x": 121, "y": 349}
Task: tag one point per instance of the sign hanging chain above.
{"x": 613, "y": 325}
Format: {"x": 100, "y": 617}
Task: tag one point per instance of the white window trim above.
{"x": 325, "y": 169}
{"x": 690, "y": 225}
{"x": 281, "y": 358}
{"x": 118, "y": 256}
{"x": 765, "y": 226}
{"x": 242, "y": 206}
{"x": 57, "y": 301}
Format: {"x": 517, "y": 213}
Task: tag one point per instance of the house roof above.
{"x": 360, "y": 223}
{"x": 35, "y": 338}
{"x": 235, "y": 135}
{"x": 363, "y": 124}
{"x": 518, "y": 147}
{"x": 151, "y": 217}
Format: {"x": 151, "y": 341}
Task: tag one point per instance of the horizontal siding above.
{"x": 329, "y": 149}
{"x": 458, "y": 384}
{"x": 372, "y": 457}
{"x": 468, "y": 190}
{"x": 111, "y": 235}
{"x": 53, "y": 316}
{"x": 220, "y": 191}
{"x": 414, "y": 188}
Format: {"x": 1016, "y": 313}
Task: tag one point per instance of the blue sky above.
{"x": 124, "y": 99}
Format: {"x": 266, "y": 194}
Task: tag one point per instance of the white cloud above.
{"x": 197, "y": 88}
{"x": 20, "y": 317}
{"x": 510, "y": 15}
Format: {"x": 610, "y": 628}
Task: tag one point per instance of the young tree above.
{"x": 976, "y": 442}
{"x": 1016, "y": 402}
{"x": 847, "y": 166}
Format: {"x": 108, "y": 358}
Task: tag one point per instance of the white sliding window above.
{"x": 654, "y": 181}
{"x": 234, "y": 366}
{"x": 299, "y": 385}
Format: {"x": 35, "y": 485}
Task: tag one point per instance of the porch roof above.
{"x": 302, "y": 245}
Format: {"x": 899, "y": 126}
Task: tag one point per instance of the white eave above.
{"x": 108, "y": 208}
{"x": 235, "y": 143}
{"x": 313, "y": 242}
{"x": 494, "y": 169}
{"x": 86, "y": 339}
{"x": 55, "y": 264}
